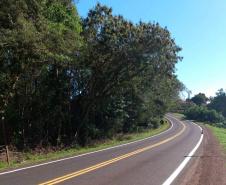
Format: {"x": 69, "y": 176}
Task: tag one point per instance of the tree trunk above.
{"x": 84, "y": 115}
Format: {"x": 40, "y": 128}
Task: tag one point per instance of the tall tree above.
{"x": 38, "y": 43}
{"x": 54, "y": 86}
{"x": 117, "y": 51}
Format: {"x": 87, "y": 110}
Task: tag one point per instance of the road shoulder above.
{"x": 210, "y": 167}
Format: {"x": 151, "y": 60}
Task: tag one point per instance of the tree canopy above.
{"x": 65, "y": 79}
{"x": 199, "y": 99}
{"x": 218, "y": 103}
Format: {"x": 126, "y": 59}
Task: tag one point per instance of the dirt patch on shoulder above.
{"x": 210, "y": 168}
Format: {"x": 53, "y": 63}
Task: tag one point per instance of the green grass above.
{"x": 220, "y": 133}
{"x": 32, "y": 159}
{"x": 179, "y": 114}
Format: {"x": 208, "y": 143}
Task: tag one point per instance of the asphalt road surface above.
{"x": 146, "y": 162}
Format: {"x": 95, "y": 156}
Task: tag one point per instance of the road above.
{"x": 148, "y": 162}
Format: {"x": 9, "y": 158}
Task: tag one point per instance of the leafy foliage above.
{"x": 133, "y": 62}
{"x": 199, "y": 99}
{"x": 64, "y": 79}
{"x": 218, "y": 103}
{"x": 203, "y": 114}
{"x": 36, "y": 49}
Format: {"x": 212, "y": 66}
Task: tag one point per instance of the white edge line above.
{"x": 20, "y": 169}
{"x": 186, "y": 120}
{"x": 182, "y": 165}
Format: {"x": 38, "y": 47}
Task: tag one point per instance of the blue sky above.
{"x": 198, "y": 26}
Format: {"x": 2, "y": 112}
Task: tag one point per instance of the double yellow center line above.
{"x": 100, "y": 165}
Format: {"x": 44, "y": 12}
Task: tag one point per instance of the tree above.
{"x": 115, "y": 53}
{"x": 218, "y": 103}
{"x": 59, "y": 79}
{"x": 203, "y": 114}
{"x": 199, "y": 99}
{"x": 38, "y": 42}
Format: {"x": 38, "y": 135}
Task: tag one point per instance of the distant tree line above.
{"x": 67, "y": 79}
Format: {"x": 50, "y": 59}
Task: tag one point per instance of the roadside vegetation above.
{"x": 203, "y": 114}
{"x": 220, "y": 133}
{"x": 180, "y": 115}
{"x": 28, "y": 158}
{"x": 213, "y": 113}
{"x": 67, "y": 81}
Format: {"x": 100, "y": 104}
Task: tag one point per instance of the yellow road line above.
{"x": 100, "y": 165}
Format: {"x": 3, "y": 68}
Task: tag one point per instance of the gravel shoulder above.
{"x": 210, "y": 167}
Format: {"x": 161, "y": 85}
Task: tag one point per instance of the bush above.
{"x": 155, "y": 122}
{"x": 203, "y": 114}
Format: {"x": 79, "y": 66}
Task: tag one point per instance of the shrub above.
{"x": 203, "y": 114}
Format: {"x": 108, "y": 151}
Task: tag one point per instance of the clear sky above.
{"x": 198, "y": 26}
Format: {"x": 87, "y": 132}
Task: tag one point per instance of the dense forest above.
{"x": 66, "y": 79}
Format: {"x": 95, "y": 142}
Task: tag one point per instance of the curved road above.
{"x": 148, "y": 162}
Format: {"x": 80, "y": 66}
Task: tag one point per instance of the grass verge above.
{"x": 179, "y": 114}
{"x": 220, "y": 134}
{"x": 32, "y": 159}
